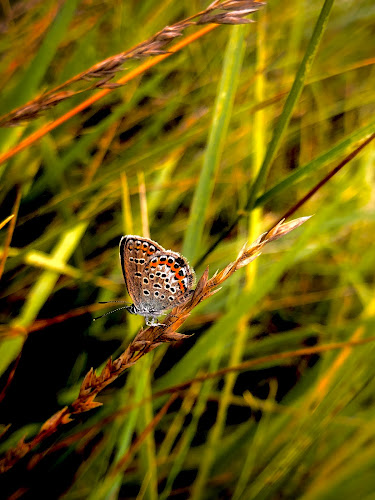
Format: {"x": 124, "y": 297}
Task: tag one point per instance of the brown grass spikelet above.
{"x": 228, "y": 12}
{"x": 61, "y": 417}
{"x": 145, "y": 341}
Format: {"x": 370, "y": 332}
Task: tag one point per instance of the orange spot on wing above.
{"x": 182, "y": 287}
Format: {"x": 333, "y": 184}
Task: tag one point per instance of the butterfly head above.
{"x": 132, "y": 309}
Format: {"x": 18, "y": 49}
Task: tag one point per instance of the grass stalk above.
{"x": 220, "y": 120}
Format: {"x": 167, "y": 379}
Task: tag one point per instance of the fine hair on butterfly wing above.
{"x": 156, "y": 279}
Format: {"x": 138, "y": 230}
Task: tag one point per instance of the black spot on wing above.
{"x": 180, "y": 261}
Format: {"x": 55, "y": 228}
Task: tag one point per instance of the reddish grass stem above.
{"x": 144, "y": 342}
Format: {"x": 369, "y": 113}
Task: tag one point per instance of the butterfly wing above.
{"x": 135, "y": 252}
{"x": 170, "y": 279}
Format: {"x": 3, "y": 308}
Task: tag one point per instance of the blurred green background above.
{"x": 184, "y": 143}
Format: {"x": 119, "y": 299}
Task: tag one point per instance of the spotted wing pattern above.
{"x": 134, "y": 253}
{"x": 171, "y": 278}
{"x": 156, "y": 279}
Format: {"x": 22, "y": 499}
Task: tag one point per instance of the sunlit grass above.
{"x": 237, "y": 126}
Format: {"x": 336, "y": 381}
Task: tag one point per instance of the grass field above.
{"x": 202, "y": 132}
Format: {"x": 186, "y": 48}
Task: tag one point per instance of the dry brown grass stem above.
{"x": 48, "y": 127}
{"x": 219, "y": 12}
{"x": 8, "y": 331}
{"x": 88, "y": 433}
{"x": 328, "y": 177}
{"x": 145, "y": 341}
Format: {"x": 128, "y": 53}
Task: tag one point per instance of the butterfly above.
{"x": 156, "y": 279}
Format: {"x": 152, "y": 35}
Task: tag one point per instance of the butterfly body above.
{"x": 156, "y": 279}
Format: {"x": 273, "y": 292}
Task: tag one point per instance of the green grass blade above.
{"x": 291, "y": 100}
{"x": 41, "y": 291}
{"x": 319, "y": 162}
{"x": 36, "y": 71}
{"x": 34, "y": 74}
{"x": 238, "y": 347}
{"x": 216, "y": 140}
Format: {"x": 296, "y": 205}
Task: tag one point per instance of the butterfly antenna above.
{"x": 110, "y": 312}
{"x": 113, "y": 301}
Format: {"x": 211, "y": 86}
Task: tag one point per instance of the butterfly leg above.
{"x": 152, "y": 321}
